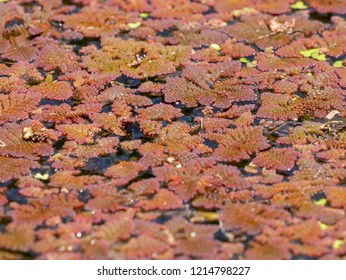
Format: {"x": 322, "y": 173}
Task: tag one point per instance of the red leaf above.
{"x": 143, "y": 247}
{"x": 13, "y": 143}
{"x": 17, "y": 106}
{"x": 124, "y": 171}
{"x": 276, "y": 249}
{"x": 163, "y": 112}
{"x": 238, "y": 144}
{"x": 13, "y": 168}
{"x": 55, "y": 90}
{"x": 277, "y": 107}
{"x": 251, "y": 218}
{"x": 81, "y": 133}
{"x": 163, "y": 200}
{"x": 280, "y": 159}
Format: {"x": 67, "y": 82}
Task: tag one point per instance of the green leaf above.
{"x": 244, "y": 60}
{"x": 252, "y": 64}
{"x": 322, "y": 201}
{"x": 134, "y": 25}
{"x": 338, "y": 64}
{"x": 215, "y": 47}
{"x": 144, "y": 15}
{"x": 309, "y": 53}
{"x": 338, "y": 244}
{"x": 300, "y": 5}
{"x": 323, "y": 226}
{"x": 40, "y": 176}
{"x": 2, "y": 1}
{"x": 318, "y": 56}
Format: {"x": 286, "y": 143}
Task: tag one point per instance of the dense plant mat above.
{"x": 176, "y": 129}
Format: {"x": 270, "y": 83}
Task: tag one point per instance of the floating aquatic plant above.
{"x": 172, "y": 129}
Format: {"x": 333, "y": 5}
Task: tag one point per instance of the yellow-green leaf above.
{"x": 252, "y": 64}
{"x": 300, "y": 5}
{"x": 42, "y": 176}
{"x": 144, "y": 15}
{"x": 202, "y": 216}
{"x": 309, "y": 53}
{"x": 215, "y": 47}
{"x": 323, "y": 226}
{"x": 134, "y": 25}
{"x": 338, "y": 64}
{"x": 338, "y": 244}
{"x": 322, "y": 201}
{"x": 318, "y": 56}
{"x": 244, "y": 60}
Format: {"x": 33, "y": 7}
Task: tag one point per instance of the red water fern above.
{"x": 108, "y": 198}
{"x": 319, "y": 102}
{"x": 123, "y": 172}
{"x": 245, "y": 119}
{"x": 275, "y": 106}
{"x": 118, "y": 229}
{"x": 81, "y": 133}
{"x": 178, "y": 140}
{"x": 252, "y": 217}
{"x": 37, "y": 132}
{"x": 334, "y": 6}
{"x": 199, "y": 176}
{"x": 197, "y": 37}
{"x": 163, "y": 112}
{"x": 177, "y": 129}
{"x": 40, "y": 210}
{"x": 270, "y": 7}
{"x": 284, "y": 86}
{"x": 277, "y": 249}
{"x": 71, "y": 180}
{"x": 296, "y": 194}
{"x": 238, "y": 144}
{"x": 189, "y": 238}
{"x": 55, "y": 90}
{"x": 13, "y": 168}
{"x": 18, "y": 46}
{"x": 237, "y": 49}
{"x": 13, "y": 143}
{"x": 143, "y": 247}
{"x": 144, "y": 187}
{"x": 271, "y": 62}
{"x": 101, "y": 147}
{"x": 280, "y": 159}
{"x": 53, "y": 56}
{"x": 135, "y": 59}
{"x": 163, "y": 200}
{"x": 17, "y": 106}
{"x": 110, "y": 122}
{"x": 19, "y": 238}
{"x": 336, "y": 196}
{"x": 177, "y": 9}
{"x": 25, "y": 71}
{"x": 256, "y": 29}
{"x": 97, "y": 21}
{"x": 234, "y": 92}
{"x": 64, "y": 162}
{"x": 188, "y": 93}
{"x": 64, "y": 114}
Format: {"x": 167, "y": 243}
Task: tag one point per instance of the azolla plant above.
{"x": 177, "y": 129}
